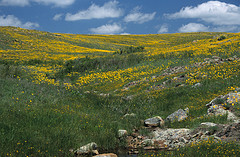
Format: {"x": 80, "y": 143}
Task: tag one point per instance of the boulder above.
{"x": 147, "y": 142}
{"x": 122, "y": 133}
{"x": 129, "y": 115}
{"x": 216, "y": 110}
{"x": 197, "y": 85}
{"x": 216, "y": 57}
{"x": 230, "y": 59}
{"x": 208, "y": 124}
{"x": 219, "y": 111}
{"x": 216, "y": 100}
{"x": 154, "y": 122}
{"x": 106, "y": 155}
{"x": 173, "y": 138}
{"x": 90, "y": 148}
{"x": 178, "y": 115}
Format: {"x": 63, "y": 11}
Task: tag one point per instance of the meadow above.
{"x": 62, "y": 91}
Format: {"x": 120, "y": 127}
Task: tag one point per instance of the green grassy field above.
{"x": 62, "y": 91}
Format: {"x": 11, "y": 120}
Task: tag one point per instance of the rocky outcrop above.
{"x": 90, "y": 148}
{"x": 106, "y": 155}
{"x": 171, "y": 137}
{"x": 154, "y": 122}
{"x": 217, "y": 106}
{"x": 230, "y": 132}
{"x": 122, "y": 133}
{"x": 178, "y": 115}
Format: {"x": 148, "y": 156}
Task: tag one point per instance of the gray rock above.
{"x": 182, "y": 139}
{"x": 178, "y": 115}
{"x": 216, "y": 110}
{"x": 147, "y": 142}
{"x": 106, "y": 155}
{"x": 197, "y": 85}
{"x": 204, "y": 137}
{"x": 208, "y": 124}
{"x": 232, "y": 116}
{"x": 87, "y": 149}
{"x": 129, "y": 115}
{"x": 155, "y": 121}
{"x": 215, "y": 100}
{"x": 219, "y": 111}
{"x": 170, "y": 134}
{"x": 122, "y": 133}
{"x": 104, "y": 95}
{"x": 178, "y": 145}
{"x": 216, "y": 57}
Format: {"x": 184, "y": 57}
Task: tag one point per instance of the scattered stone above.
{"x": 230, "y": 59}
{"x": 216, "y": 100}
{"x": 216, "y": 57}
{"x": 216, "y": 110}
{"x": 197, "y": 85}
{"x": 172, "y": 137}
{"x": 122, "y": 133}
{"x": 129, "y": 115}
{"x": 104, "y": 95}
{"x": 208, "y": 124}
{"x": 147, "y": 142}
{"x": 90, "y": 148}
{"x": 154, "y": 122}
{"x": 178, "y": 115}
{"x": 219, "y": 111}
{"x": 106, "y": 155}
{"x": 231, "y": 132}
{"x": 204, "y": 137}
{"x": 182, "y": 139}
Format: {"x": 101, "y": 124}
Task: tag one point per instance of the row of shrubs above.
{"x": 104, "y": 64}
{"x": 130, "y": 49}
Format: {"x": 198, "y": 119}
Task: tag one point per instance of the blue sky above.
{"x": 122, "y": 16}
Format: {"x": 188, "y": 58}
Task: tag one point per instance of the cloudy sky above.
{"x": 122, "y": 16}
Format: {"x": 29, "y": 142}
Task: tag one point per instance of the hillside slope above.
{"x": 61, "y": 91}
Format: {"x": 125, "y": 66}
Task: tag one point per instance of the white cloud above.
{"x": 57, "y": 17}
{"x": 226, "y": 29}
{"x": 14, "y": 3}
{"x": 163, "y": 29}
{"x": 193, "y": 27}
{"x": 11, "y": 20}
{"x": 214, "y": 12}
{"x": 58, "y": 3}
{"x": 22, "y": 3}
{"x": 125, "y": 33}
{"x": 107, "y": 29}
{"x": 108, "y": 10}
{"x": 138, "y": 17}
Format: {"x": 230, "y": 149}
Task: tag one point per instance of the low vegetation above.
{"x": 60, "y": 92}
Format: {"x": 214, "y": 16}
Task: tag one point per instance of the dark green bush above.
{"x": 34, "y": 62}
{"x": 107, "y": 63}
{"x": 131, "y": 49}
{"x": 222, "y": 37}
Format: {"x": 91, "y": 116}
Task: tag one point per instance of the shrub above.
{"x": 131, "y": 49}
{"x": 222, "y": 37}
{"x": 82, "y": 65}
